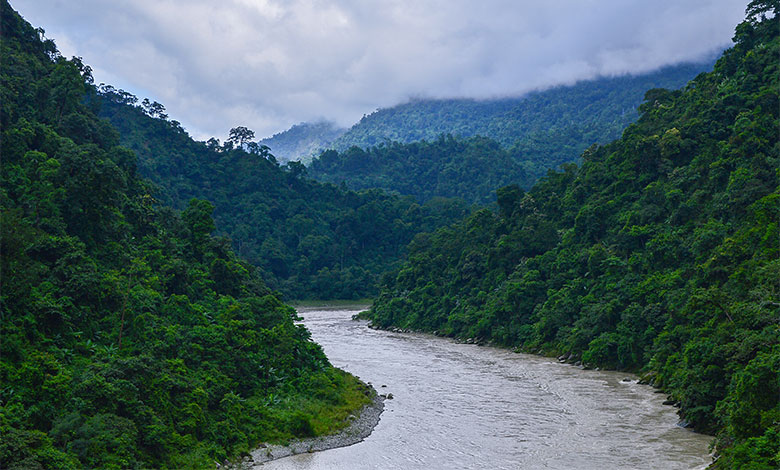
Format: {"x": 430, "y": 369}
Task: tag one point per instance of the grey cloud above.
{"x": 269, "y": 64}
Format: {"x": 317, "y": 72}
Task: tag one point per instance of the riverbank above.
{"x": 361, "y": 426}
{"x": 461, "y": 406}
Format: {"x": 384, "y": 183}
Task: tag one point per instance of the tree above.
{"x": 508, "y": 197}
{"x": 296, "y": 169}
{"x": 239, "y": 135}
{"x": 213, "y": 144}
{"x": 154, "y": 109}
{"x": 758, "y": 9}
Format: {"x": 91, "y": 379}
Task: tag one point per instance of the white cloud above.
{"x": 268, "y": 64}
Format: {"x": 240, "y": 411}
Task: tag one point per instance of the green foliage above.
{"x": 446, "y": 167}
{"x": 542, "y": 129}
{"x": 659, "y": 254}
{"x": 131, "y": 338}
{"x": 410, "y": 149}
{"x": 310, "y": 240}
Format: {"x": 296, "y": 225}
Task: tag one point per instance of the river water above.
{"x": 461, "y": 406}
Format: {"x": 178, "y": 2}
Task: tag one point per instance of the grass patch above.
{"x": 320, "y": 407}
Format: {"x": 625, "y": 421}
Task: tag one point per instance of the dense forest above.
{"x": 603, "y": 106}
{"x": 470, "y": 169}
{"x": 543, "y": 129}
{"x": 404, "y": 149}
{"x": 310, "y": 240}
{"x": 131, "y": 337}
{"x": 660, "y": 254}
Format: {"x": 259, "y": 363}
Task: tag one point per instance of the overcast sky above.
{"x": 268, "y": 64}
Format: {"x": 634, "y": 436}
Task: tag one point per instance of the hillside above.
{"x": 404, "y": 149}
{"x": 543, "y": 128}
{"x": 310, "y": 240}
{"x": 659, "y": 254}
{"x": 302, "y": 141}
{"x": 470, "y": 169}
{"x": 131, "y": 338}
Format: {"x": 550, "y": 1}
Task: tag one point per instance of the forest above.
{"x": 469, "y": 169}
{"x": 131, "y": 337}
{"x": 468, "y": 148}
{"x": 144, "y": 274}
{"x": 659, "y": 254}
{"x": 310, "y": 240}
{"x": 542, "y": 129}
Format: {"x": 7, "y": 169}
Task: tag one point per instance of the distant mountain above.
{"x": 546, "y": 128}
{"x": 303, "y": 141}
{"x": 604, "y": 104}
{"x": 401, "y": 149}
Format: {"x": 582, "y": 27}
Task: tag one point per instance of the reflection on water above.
{"x": 466, "y": 406}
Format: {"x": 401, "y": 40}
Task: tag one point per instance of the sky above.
{"x": 268, "y": 64}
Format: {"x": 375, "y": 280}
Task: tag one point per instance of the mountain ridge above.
{"x": 512, "y": 121}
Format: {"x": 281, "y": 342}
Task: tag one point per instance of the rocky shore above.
{"x": 360, "y": 428}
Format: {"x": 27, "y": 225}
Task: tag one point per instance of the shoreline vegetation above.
{"x": 361, "y": 425}
{"x": 364, "y": 303}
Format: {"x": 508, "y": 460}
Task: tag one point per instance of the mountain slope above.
{"x": 131, "y": 338}
{"x": 470, "y": 169}
{"x": 310, "y": 240}
{"x": 302, "y": 141}
{"x": 547, "y": 127}
{"x": 661, "y": 254}
{"x": 407, "y": 154}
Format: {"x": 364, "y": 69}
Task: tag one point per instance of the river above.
{"x": 461, "y": 406}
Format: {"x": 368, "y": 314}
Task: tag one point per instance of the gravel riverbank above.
{"x": 360, "y": 428}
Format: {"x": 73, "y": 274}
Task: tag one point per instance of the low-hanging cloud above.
{"x": 267, "y": 64}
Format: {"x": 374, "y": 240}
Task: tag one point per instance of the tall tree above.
{"x": 240, "y": 135}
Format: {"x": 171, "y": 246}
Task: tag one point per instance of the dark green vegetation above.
{"x": 660, "y": 254}
{"x": 302, "y": 141}
{"x": 310, "y": 240}
{"x": 541, "y": 129}
{"x": 470, "y": 169}
{"x": 407, "y": 152}
{"x": 130, "y": 337}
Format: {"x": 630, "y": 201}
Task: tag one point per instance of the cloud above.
{"x": 268, "y": 64}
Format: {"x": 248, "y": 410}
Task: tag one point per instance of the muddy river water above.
{"x": 462, "y": 406}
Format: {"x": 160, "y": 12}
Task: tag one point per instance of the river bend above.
{"x": 461, "y": 406}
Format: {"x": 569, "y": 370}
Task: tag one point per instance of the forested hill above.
{"x": 553, "y": 125}
{"x": 546, "y": 127}
{"x": 310, "y": 240}
{"x": 131, "y": 338}
{"x": 402, "y": 150}
{"x": 660, "y": 253}
{"x": 302, "y": 141}
{"x": 446, "y": 167}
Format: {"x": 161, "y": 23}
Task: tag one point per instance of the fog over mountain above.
{"x": 268, "y": 65}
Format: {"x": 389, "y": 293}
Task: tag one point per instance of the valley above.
{"x": 627, "y": 225}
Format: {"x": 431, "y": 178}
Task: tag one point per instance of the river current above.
{"x": 462, "y": 406}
